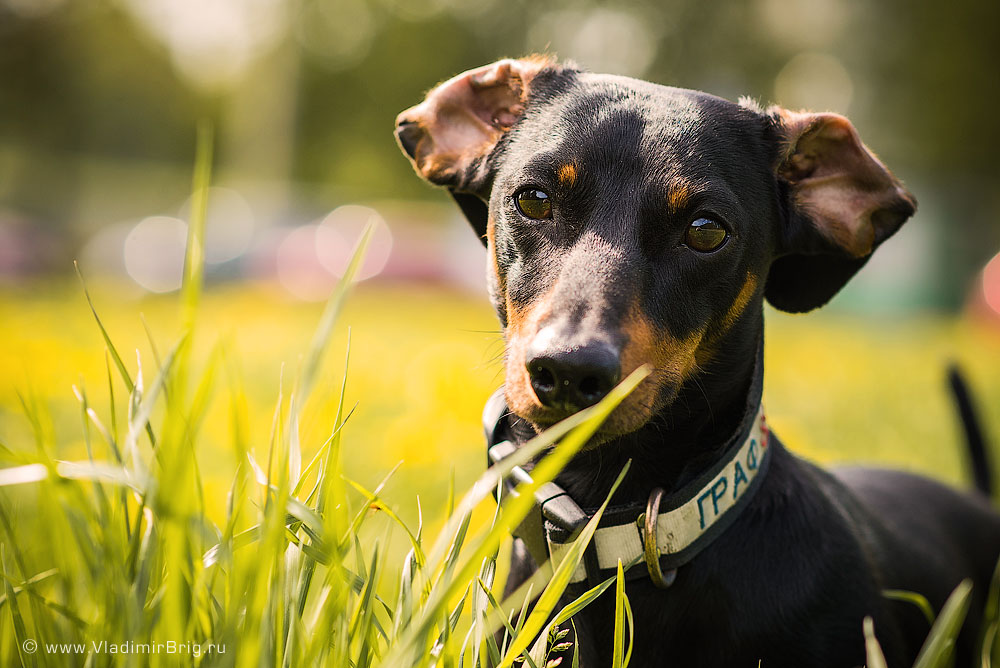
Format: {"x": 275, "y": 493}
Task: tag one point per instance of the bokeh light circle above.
{"x": 154, "y": 253}
{"x": 298, "y": 267}
{"x": 339, "y": 234}
{"x": 229, "y": 224}
{"x": 815, "y": 81}
{"x": 991, "y": 284}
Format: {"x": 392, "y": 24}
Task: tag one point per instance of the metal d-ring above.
{"x": 650, "y": 549}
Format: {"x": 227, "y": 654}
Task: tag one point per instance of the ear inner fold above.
{"x": 848, "y": 195}
{"x": 462, "y": 119}
{"x": 842, "y": 203}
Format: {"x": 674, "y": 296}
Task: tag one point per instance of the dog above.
{"x": 631, "y": 224}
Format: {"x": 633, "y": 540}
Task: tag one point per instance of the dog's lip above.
{"x": 598, "y": 439}
{"x": 615, "y": 425}
{"x": 602, "y": 433}
{"x": 626, "y": 418}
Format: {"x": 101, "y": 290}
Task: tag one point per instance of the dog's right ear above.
{"x": 450, "y": 134}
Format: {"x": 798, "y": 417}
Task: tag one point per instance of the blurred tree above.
{"x": 79, "y": 83}
{"x": 314, "y": 104}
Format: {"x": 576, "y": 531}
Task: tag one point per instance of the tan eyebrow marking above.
{"x": 567, "y": 175}
{"x": 678, "y": 195}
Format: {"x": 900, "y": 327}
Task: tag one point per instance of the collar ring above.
{"x": 651, "y": 551}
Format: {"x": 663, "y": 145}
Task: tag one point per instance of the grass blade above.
{"x": 912, "y": 597}
{"x": 20, "y": 633}
{"x": 19, "y": 475}
{"x": 581, "y": 427}
{"x": 873, "y": 650}
{"x": 618, "y": 650}
{"x": 940, "y": 643}
{"x": 122, "y": 371}
{"x": 990, "y": 623}
{"x": 194, "y": 256}
{"x": 333, "y": 307}
{"x": 560, "y": 580}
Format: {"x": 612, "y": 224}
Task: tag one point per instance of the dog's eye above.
{"x": 533, "y": 203}
{"x": 705, "y": 235}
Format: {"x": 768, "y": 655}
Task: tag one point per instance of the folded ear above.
{"x": 449, "y": 134}
{"x": 841, "y": 203}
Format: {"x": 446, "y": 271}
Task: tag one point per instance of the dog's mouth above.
{"x": 652, "y": 395}
{"x": 635, "y": 411}
{"x": 558, "y": 365}
{"x": 618, "y": 425}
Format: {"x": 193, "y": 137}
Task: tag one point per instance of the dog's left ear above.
{"x": 841, "y": 203}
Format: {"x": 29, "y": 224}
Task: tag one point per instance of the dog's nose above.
{"x": 571, "y": 378}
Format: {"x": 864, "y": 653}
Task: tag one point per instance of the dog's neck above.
{"x": 682, "y": 440}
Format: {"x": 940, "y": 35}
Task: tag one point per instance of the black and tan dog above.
{"x": 630, "y": 223}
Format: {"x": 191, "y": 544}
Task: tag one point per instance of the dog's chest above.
{"x": 775, "y": 587}
{"x": 713, "y": 626}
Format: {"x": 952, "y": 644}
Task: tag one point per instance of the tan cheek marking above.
{"x": 741, "y": 302}
{"x": 678, "y": 196}
{"x": 522, "y": 325}
{"x": 736, "y": 309}
{"x": 731, "y": 317}
{"x": 648, "y": 344}
{"x": 673, "y": 361}
{"x": 567, "y": 175}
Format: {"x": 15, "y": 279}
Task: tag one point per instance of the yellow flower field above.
{"x": 423, "y": 360}
{"x": 221, "y": 558}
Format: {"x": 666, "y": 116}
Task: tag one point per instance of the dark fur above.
{"x": 790, "y": 582}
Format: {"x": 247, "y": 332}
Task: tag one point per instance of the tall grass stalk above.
{"x": 113, "y": 560}
{"x": 133, "y": 563}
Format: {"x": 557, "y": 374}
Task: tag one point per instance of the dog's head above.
{"x": 630, "y": 223}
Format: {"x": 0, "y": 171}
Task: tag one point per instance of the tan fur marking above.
{"x": 732, "y": 316}
{"x": 522, "y": 326}
{"x": 678, "y": 196}
{"x": 673, "y": 361}
{"x": 741, "y": 302}
{"x": 567, "y": 175}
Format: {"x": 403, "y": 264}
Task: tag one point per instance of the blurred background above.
{"x": 99, "y": 100}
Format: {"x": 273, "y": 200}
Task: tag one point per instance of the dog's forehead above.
{"x": 663, "y": 112}
{"x": 615, "y": 120}
{"x": 670, "y": 109}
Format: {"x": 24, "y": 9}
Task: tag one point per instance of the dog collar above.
{"x": 665, "y": 531}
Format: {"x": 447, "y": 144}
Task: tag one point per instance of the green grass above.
{"x": 294, "y": 562}
{"x": 289, "y": 577}
{"x": 235, "y": 470}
